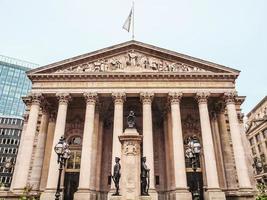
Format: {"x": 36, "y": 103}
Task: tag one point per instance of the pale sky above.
{"x": 229, "y": 32}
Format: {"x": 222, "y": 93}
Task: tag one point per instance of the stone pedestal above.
{"x": 214, "y": 194}
{"x": 130, "y": 164}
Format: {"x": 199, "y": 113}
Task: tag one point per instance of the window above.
{"x": 253, "y": 151}
{"x": 251, "y": 141}
{"x": 258, "y": 137}
{"x": 259, "y": 147}
{"x": 265, "y": 133}
{"x": 263, "y": 158}
{"x": 74, "y": 161}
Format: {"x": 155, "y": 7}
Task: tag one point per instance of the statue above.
{"x": 116, "y": 175}
{"x": 131, "y": 119}
{"x": 145, "y": 180}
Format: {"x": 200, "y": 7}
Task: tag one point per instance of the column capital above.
{"x": 118, "y": 97}
{"x": 90, "y": 97}
{"x": 230, "y": 97}
{"x": 146, "y": 97}
{"x": 34, "y": 99}
{"x": 175, "y": 97}
{"x": 63, "y": 98}
{"x": 202, "y": 97}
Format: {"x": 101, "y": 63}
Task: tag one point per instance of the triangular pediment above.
{"x": 133, "y": 57}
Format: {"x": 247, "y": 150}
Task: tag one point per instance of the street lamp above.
{"x": 63, "y": 153}
{"x": 258, "y": 165}
{"x": 192, "y": 152}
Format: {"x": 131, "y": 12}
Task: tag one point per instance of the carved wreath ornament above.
{"x": 130, "y": 148}
{"x": 131, "y": 62}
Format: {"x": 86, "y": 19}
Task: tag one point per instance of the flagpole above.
{"x": 133, "y": 23}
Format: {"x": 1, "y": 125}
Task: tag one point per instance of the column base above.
{"x": 50, "y": 195}
{"x": 180, "y": 194}
{"x": 217, "y": 194}
{"x": 84, "y": 194}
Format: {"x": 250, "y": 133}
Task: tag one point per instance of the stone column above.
{"x": 99, "y": 157}
{"x": 85, "y": 191}
{"x": 180, "y": 182}
{"x": 49, "y": 193}
{"x": 208, "y": 147}
{"x": 119, "y": 99}
{"x": 26, "y": 145}
{"x": 239, "y": 153}
{"x": 48, "y": 149}
{"x": 40, "y": 150}
{"x": 148, "y": 150}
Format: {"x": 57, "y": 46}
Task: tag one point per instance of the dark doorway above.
{"x": 71, "y": 184}
{"x": 195, "y": 183}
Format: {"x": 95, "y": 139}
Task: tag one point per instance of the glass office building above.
{"x": 13, "y": 85}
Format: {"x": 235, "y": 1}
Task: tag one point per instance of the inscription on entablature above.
{"x": 131, "y": 62}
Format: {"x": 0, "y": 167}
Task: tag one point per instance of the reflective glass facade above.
{"x": 13, "y": 85}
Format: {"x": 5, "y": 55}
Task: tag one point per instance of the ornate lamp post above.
{"x": 192, "y": 152}
{"x": 63, "y": 152}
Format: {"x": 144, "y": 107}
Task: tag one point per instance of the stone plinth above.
{"x": 130, "y": 164}
{"x": 214, "y": 194}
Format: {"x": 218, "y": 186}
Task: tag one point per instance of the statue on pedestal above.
{"x": 116, "y": 175}
{"x": 131, "y": 120}
{"x": 145, "y": 179}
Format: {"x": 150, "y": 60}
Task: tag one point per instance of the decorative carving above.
{"x": 26, "y": 117}
{"x": 118, "y": 97}
{"x": 202, "y": 97}
{"x": 131, "y": 62}
{"x": 34, "y": 98}
{"x": 175, "y": 97}
{"x": 146, "y": 97}
{"x": 230, "y": 97}
{"x": 63, "y": 98}
{"x": 190, "y": 124}
{"x": 91, "y": 97}
{"x": 130, "y": 148}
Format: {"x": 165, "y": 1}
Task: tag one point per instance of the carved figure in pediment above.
{"x": 116, "y": 64}
{"x": 88, "y": 67}
{"x": 132, "y": 58}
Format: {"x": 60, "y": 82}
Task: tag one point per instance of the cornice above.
{"x": 133, "y": 76}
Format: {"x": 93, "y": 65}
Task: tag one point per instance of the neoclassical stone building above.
{"x": 87, "y": 99}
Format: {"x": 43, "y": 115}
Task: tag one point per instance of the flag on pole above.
{"x": 127, "y": 23}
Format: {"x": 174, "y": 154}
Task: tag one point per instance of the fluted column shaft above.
{"x": 239, "y": 153}
{"x": 59, "y": 131}
{"x": 119, "y": 99}
{"x": 86, "y": 172}
{"x": 23, "y": 162}
{"x": 48, "y": 149}
{"x": 177, "y": 142}
{"x": 40, "y": 148}
{"x": 208, "y": 146}
{"x": 148, "y": 150}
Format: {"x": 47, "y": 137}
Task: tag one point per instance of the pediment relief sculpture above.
{"x": 131, "y": 62}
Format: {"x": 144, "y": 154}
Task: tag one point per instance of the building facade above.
{"x": 257, "y": 135}
{"x": 14, "y": 84}
{"x": 174, "y": 97}
{"x": 10, "y": 132}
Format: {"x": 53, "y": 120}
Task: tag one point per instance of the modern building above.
{"x": 179, "y": 102}
{"x": 14, "y": 84}
{"x": 256, "y": 132}
{"x": 10, "y": 132}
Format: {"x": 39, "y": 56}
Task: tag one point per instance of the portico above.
{"x": 174, "y": 97}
